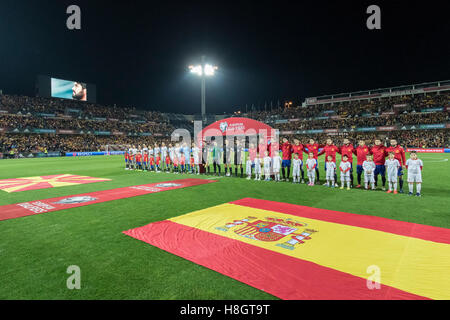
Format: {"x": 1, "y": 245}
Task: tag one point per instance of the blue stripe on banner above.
{"x": 88, "y": 154}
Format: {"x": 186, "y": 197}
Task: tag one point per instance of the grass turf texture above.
{"x": 35, "y": 251}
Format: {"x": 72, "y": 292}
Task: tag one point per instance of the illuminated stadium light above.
{"x": 203, "y": 70}
{"x": 196, "y": 69}
{"x": 208, "y": 70}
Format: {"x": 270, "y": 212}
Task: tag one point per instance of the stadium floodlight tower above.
{"x": 203, "y": 70}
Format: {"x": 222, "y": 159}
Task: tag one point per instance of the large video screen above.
{"x": 66, "y": 89}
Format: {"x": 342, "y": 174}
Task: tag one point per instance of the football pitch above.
{"x": 35, "y": 251}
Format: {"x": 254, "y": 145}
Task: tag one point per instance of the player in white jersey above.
{"x": 345, "y": 168}
{"x": 144, "y": 149}
{"x": 392, "y": 166}
{"x": 257, "y": 167}
{"x": 150, "y": 151}
{"x": 171, "y": 152}
{"x": 276, "y": 165}
{"x": 134, "y": 152}
{"x": 130, "y": 157}
{"x": 369, "y": 172}
{"x": 156, "y": 151}
{"x": 311, "y": 165}
{"x": 267, "y": 166}
{"x": 163, "y": 157}
{"x": 177, "y": 150}
{"x": 196, "y": 156}
{"x": 330, "y": 172}
{"x": 414, "y": 166}
{"x": 296, "y": 165}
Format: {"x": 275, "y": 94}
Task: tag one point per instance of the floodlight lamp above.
{"x": 196, "y": 69}
{"x": 209, "y": 70}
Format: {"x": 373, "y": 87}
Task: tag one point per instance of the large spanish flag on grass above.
{"x": 298, "y": 252}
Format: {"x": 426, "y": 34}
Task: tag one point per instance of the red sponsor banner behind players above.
{"x": 55, "y": 204}
{"x": 427, "y": 150}
{"x": 236, "y": 126}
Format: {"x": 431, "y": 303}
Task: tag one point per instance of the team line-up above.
{"x": 372, "y": 161}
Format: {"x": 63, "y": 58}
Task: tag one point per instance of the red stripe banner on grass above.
{"x": 298, "y": 252}
{"x": 55, "y": 204}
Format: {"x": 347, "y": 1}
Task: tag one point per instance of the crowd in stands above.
{"x": 400, "y": 119}
{"x": 356, "y": 108}
{"x": 23, "y": 112}
{"x": 26, "y": 143}
{"x": 62, "y": 107}
{"x": 24, "y": 122}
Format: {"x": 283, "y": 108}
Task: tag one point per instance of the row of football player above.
{"x": 271, "y": 167}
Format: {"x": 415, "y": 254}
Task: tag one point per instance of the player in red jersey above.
{"x": 138, "y": 161}
{"x": 286, "y": 149}
{"x": 379, "y": 157}
{"x": 157, "y": 162}
{"x": 126, "y": 160}
{"x": 298, "y": 148}
{"x": 313, "y": 147}
{"x": 182, "y": 162}
{"x": 361, "y": 153}
{"x": 347, "y": 150}
{"x": 168, "y": 163}
{"x": 399, "y": 154}
{"x": 152, "y": 163}
{"x": 262, "y": 147}
{"x": 330, "y": 150}
{"x": 192, "y": 163}
{"x": 145, "y": 163}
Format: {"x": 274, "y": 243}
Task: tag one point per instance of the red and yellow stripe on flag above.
{"x": 297, "y": 252}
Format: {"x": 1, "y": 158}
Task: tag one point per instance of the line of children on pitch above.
{"x": 392, "y": 165}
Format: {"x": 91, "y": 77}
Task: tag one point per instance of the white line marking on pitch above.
{"x": 443, "y": 160}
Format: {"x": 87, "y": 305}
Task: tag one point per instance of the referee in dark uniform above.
{"x": 238, "y": 153}
{"x": 227, "y": 158}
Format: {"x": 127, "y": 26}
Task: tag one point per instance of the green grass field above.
{"x": 35, "y": 251}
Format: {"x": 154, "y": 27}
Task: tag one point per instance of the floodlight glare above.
{"x": 209, "y": 70}
{"x": 197, "y": 70}
{"x": 204, "y": 70}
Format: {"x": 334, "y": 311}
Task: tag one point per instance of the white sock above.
{"x": 348, "y": 184}
{"x": 395, "y": 186}
{"x": 390, "y": 186}
{"x": 373, "y": 185}
{"x": 328, "y": 183}
{"x": 418, "y": 187}
{"x": 366, "y": 185}
{"x": 411, "y": 187}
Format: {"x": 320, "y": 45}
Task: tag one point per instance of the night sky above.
{"x": 137, "y": 52}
